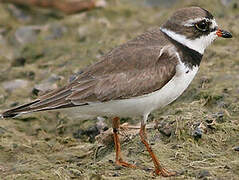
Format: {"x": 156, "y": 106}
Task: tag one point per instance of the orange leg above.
{"x": 118, "y": 159}
{"x": 158, "y": 168}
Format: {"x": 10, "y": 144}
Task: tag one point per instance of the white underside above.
{"x": 142, "y": 105}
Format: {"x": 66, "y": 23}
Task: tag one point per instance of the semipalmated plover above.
{"x": 138, "y": 77}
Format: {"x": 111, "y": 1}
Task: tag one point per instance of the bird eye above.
{"x": 202, "y": 26}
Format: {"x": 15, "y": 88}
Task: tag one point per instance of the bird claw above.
{"x": 125, "y": 164}
{"x": 164, "y": 172}
{"x": 124, "y": 128}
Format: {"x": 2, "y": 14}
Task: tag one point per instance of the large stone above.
{"x": 27, "y": 34}
{"x": 15, "y": 84}
{"x": 18, "y": 13}
{"x": 226, "y": 2}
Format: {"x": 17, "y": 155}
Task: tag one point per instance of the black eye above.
{"x": 202, "y": 26}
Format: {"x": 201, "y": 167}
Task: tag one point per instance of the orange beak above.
{"x": 223, "y": 33}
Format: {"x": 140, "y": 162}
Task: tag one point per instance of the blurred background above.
{"x": 43, "y": 43}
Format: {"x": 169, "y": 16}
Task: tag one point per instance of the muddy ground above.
{"x": 40, "y": 49}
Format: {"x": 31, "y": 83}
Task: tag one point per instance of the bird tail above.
{"x": 56, "y": 99}
{"x": 18, "y": 110}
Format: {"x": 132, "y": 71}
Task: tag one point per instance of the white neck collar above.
{"x": 199, "y": 44}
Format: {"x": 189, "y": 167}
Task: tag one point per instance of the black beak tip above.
{"x": 226, "y": 34}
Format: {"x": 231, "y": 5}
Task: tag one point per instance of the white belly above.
{"x": 142, "y": 105}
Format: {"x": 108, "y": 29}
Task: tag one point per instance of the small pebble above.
{"x": 117, "y": 167}
{"x": 115, "y": 175}
{"x": 111, "y": 161}
{"x": 57, "y": 31}
{"x": 210, "y": 123}
{"x": 147, "y": 169}
{"x": 2, "y": 130}
{"x": 176, "y": 146}
{"x": 90, "y": 132}
{"x": 101, "y": 125}
{"x": 227, "y": 167}
{"x": 19, "y": 62}
{"x": 219, "y": 116}
{"x": 198, "y": 130}
{"x": 166, "y": 128}
{"x": 197, "y": 133}
{"x": 35, "y": 91}
{"x": 203, "y": 174}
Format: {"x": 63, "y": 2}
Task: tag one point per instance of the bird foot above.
{"x": 125, "y": 164}
{"x": 164, "y": 172}
{"x": 124, "y": 129}
{"x": 124, "y": 126}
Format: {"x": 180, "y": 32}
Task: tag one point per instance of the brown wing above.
{"x": 145, "y": 71}
{"x": 125, "y": 72}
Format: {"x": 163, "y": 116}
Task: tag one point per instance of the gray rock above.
{"x": 226, "y": 2}
{"x": 15, "y": 84}
{"x": 90, "y": 133}
{"x": 47, "y": 85}
{"x": 18, "y": 13}
{"x": 166, "y": 128}
{"x": 54, "y": 78}
{"x": 82, "y": 33}
{"x": 56, "y": 31}
{"x": 198, "y": 130}
{"x": 219, "y": 116}
{"x": 44, "y": 87}
{"x": 6, "y": 50}
{"x": 2, "y": 130}
{"x": 197, "y": 133}
{"x": 157, "y": 3}
{"x": 27, "y": 34}
{"x": 20, "y": 61}
{"x": 203, "y": 174}
{"x": 101, "y": 125}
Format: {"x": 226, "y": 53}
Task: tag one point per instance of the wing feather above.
{"x": 139, "y": 80}
{"x": 125, "y": 72}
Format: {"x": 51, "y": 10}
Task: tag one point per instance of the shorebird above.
{"x": 138, "y": 77}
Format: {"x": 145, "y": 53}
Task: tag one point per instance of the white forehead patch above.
{"x": 214, "y": 24}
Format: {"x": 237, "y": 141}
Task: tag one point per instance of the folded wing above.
{"x": 123, "y": 73}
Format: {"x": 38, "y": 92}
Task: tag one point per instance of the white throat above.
{"x": 199, "y": 44}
